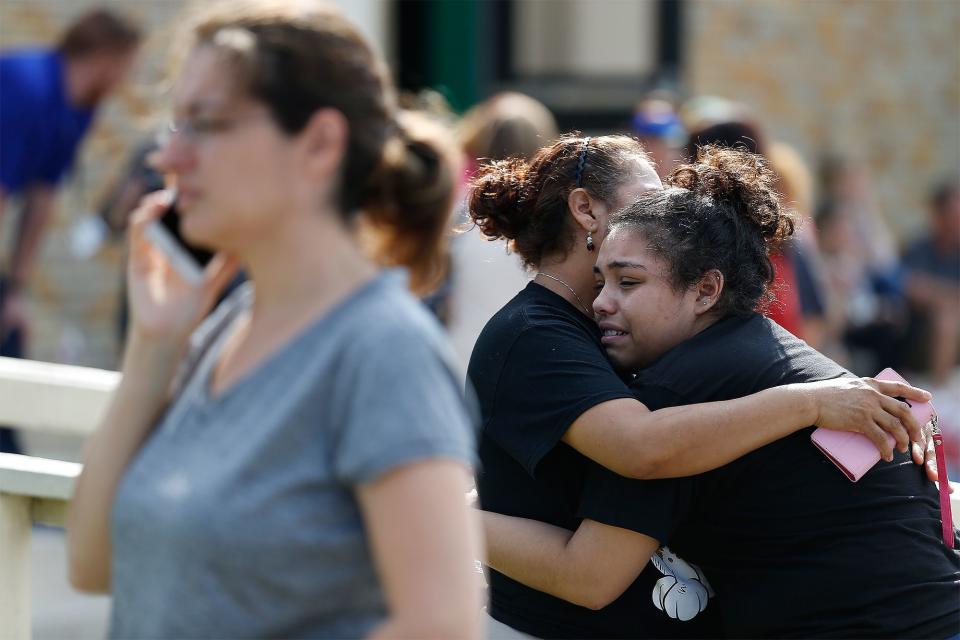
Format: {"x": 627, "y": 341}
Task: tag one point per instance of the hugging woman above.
{"x": 554, "y": 412}
{"x": 789, "y": 545}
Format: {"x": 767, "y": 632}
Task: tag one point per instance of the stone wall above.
{"x": 879, "y": 79}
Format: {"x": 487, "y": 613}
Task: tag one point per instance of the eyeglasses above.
{"x": 196, "y": 129}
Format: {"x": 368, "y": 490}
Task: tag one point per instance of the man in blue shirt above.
{"x": 48, "y": 98}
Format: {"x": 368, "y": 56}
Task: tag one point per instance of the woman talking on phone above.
{"x": 295, "y": 465}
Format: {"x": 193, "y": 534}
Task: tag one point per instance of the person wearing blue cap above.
{"x": 658, "y": 127}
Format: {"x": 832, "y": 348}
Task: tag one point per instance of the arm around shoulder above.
{"x": 678, "y": 441}
{"x": 626, "y": 437}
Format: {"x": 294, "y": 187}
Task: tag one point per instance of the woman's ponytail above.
{"x": 408, "y": 200}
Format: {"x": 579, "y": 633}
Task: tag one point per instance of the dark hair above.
{"x": 942, "y": 192}
{"x": 735, "y": 134}
{"x": 525, "y": 202}
{"x": 99, "y": 30}
{"x": 398, "y": 169}
{"x": 829, "y": 210}
{"x": 720, "y": 212}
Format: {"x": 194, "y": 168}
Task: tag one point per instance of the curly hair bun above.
{"x": 744, "y": 182}
{"x": 526, "y": 202}
{"x": 497, "y": 199}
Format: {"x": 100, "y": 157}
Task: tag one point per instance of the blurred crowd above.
{"x": 845, "y": 284}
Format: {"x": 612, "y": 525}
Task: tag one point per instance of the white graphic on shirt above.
{"x": 683, "y": 591}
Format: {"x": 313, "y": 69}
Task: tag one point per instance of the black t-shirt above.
{"x": 793, "y": 548}
{"x": 537, "y": 366}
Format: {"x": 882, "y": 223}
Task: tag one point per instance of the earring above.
{"x": 589, "y": 240}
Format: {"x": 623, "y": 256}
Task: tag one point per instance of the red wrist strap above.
{"x": 946, "y": 513}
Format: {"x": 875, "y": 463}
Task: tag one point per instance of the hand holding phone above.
{"x": 853, "y": 453}
{"x": 169, "y": 291}
{"x": 189, "y": 260}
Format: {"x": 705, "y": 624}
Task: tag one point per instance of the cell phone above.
{"x": 853, "y": 453}
{"x": 189, "y": 260}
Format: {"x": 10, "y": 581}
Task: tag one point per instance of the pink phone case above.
{"x": 853, "y": 453}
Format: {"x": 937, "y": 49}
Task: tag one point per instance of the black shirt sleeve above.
{"x": 552, "y": 374}
{"x": 654, "y": 508}
{"x": 651, "y": 507}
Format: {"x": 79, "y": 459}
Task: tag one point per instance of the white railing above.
{"x": 32, "y": 491}
{"x": 38, "y": 396}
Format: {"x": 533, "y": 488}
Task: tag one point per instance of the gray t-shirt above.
{"x": 238, "y": 517}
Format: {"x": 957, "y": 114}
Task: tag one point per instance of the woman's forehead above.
{"x": 206, "y": 82}
{"x": 625, "y": 246}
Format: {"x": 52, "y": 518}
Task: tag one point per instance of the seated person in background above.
{"x": 790, "y": 546}
{"x": 870, "y": 313}
{"x": 932, "y": 266}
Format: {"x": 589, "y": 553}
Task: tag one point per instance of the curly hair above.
{"x": 720, "y": 212}
{"x": 526, "y": 202}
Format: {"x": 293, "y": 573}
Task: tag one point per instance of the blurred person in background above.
{"x": 48, "y": 100}
{"x": 699, "y": 112}
{"x": 794, "y": 184}
{"x": 295, "y": 464}
{"x": 846, "y": 181}
{"x": 484, "y": 275}
{"x": 505, "y": 125}
{"x": 555, "y": 413}
{"x": 657, "y": 125}
{"x": 868, "y": 310}
{"x": 136, "y": 180}
{"x": 743, "y": 133}
{"x": 932, "y": 283}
